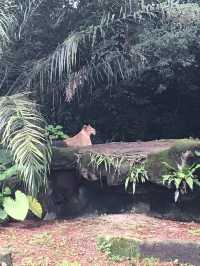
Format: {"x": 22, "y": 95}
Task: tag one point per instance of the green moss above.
{"x": 115, "y": 167}
{"x": 172, "y": 156}
{"x": 118, "y": 249}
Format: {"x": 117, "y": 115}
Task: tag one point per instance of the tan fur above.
{"x": 82, "y": 138}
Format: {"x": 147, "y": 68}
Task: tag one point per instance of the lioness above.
{"x": 82, "y": 138}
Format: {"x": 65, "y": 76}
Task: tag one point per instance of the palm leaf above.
{"x": 63, "y": 63}
{"x": 23, "y": 132}
{"x": 6, "y": 22}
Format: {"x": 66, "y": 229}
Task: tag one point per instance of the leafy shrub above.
{"x": 19, "y": 206}
{"x": 118, "y": 249}
{"x": 56, "y": 132}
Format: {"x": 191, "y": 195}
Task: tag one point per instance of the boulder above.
{"x": 111, "y": 162}
{"x": 107, "y": 166}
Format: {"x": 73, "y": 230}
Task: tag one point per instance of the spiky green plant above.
{"x": 23, "y": 132}
{"x": 137, "y": 173}
{"x": 182, "y": 177}
{"x": 106, "y": 162}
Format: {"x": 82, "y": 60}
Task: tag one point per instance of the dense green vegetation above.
{"x": 130, "y": 68}
{"x": 22, "y": 134}
{"x": 128, "y": 63}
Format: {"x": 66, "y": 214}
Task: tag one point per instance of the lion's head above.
{"x": 89, "y": 130}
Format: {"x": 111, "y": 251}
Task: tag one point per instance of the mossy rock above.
{"x": 118, "y": 248}
{"x": 154, "y": 162}
{"x": 153, "y": 153}
{"x": 64, "y": 158}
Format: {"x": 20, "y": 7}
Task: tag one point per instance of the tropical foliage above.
{"x": 182, "y": 177}
{"x": 136, "y": 59}
{"x": 15, "y": 205}
{"x": 129, "y": 62}
{"x": 136, "y": 63}
{"x": 56, "y": 132}
{"x": 23, "y": 133}
{"x": 22, "y": 128}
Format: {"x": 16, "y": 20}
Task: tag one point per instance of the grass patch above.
{"x": 119, "y": 249}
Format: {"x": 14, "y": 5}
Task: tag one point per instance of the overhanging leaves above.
{"x": 23, "y": 132}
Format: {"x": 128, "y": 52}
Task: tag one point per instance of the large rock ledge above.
{"x": 112, "y": 161}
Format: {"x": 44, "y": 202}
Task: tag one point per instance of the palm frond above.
{"x": 27, "y": 9}
{"x": 6, "y": 21}
{"x": 22, "y": 131}
{"x": 109, "y": 70}
{"x": 64, "y": 61}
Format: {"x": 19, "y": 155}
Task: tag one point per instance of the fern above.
{"x": 23, "y": 133}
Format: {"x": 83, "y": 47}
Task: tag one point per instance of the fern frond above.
{"x": 23, "y": 132}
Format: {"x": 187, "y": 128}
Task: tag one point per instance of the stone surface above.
{"x": 153, "y": 153}
{"x": 72, "y": 167}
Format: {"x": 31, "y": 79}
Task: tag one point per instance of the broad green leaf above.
{"x": 17, "y": 208}
{"x": 177, "y": 182}
{"x": 190, "y": 182}
{"x": 35, "y": 207}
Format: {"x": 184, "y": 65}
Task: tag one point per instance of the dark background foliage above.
{"x": 161, "y": 100}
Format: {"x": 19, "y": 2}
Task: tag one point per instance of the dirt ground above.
{"x": 35, "y": 243}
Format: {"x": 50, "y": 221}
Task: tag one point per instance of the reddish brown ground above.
{"x": 42, "y": 244}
